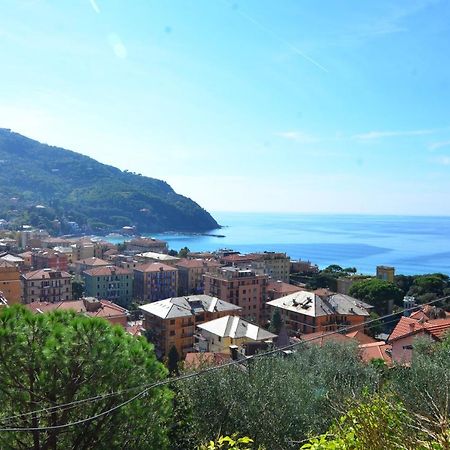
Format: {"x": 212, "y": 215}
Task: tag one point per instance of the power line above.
{"x": 198, "y": 373}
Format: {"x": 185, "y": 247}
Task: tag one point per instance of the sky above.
{"x": 256, "y": 105}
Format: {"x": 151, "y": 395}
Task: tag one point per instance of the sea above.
{"x": 412, "y": 244}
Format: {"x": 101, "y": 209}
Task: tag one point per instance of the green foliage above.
{"x": 62, "y": 357}
{"x": 173, "y": 358}
{"x": 230, "y": 442}
{"x": 428, "y": 287}
{"x": 73, "y": 187}
{"x": 184, "y": 252}
{"x": 377, "y": 293}
{"x": 276, "y": 321}
{"x": 277, "y": 400}
{"x": 77, "y": 289}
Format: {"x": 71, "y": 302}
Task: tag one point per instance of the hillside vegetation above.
{"x": 74, "y": 187}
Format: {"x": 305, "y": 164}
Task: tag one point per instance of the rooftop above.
{"x": 157, "y": 256}
{"x": 154, "y": 267}
{"x": 235, "y": 327}
{"x": 188, "y": 306}
{"x": 43, "y": 274}
{"x": 311, "y": 304}
{"x": 107, "y": 271}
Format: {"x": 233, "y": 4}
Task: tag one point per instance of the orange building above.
{"x": 190, "y": 274}
{"x": 172, "y": 322}
{"x": 49, "y": 258}
{"x": 308, "y": 312}
{"x": 10, "y": 282}
{"x": 241, "y": 287}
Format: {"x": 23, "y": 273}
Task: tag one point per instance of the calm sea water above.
{"x": 410, "y": 243}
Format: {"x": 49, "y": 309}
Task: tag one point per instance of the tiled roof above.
{"x": 190, "y": 263}
{"x": 376, "y": 350}
{"x": 283, "y": 288}
{"x": 188, "y": 306}
{"x": 43, "y": 274}
{"x": 321, "y": 337}
{"x": 235, "y": 327}
{"x": 93, "y": 261}
{"x": 361, "y": 337}
{"x": 155, "y": 267}
{"x": 407, "y": 326}
{"x": 158, "y": 256}
{"x": 197, "y": 360}
{"x": 310, "y": 304}
{"x": 107, "y": 271}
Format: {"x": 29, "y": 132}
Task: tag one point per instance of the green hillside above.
{"x": 40, "y": 183}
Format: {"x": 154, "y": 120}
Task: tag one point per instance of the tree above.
{"x": 173, "y": 358}
{"x": 77, "y": 289}
{"x": 62, "y": 357}
{"x": 276, "y": 321}
{"x": 184, "y": 252}
{"x": 377, "y": 293}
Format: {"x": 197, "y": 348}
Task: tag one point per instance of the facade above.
{"x": 90, "y": 307}
{"x": 10, "y": 282}
{"x": 190, "y": 274}
{"x": 46, "y": 285}
{"x": 219, "y": 334}
{"x": 141, "y": 245}
{"x": 306, "y": 267}
{"x": 307, "y": 312}
{"x": 49, "y": 258}
{"x": 241, "y": 287}
{"x": 171, "y": 322}
{"x": 386, "y": 273}
{"x": 155, "y": 281}
{"x": 109, "y": 283}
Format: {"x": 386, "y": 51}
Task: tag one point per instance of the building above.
{"x": 408, "y": 329}
{"x": 304, "y": 267}
{"x": 308, "y": 312}
{"x": 46, "y": 285}
{"x": 10, "y": 282}
{"x": 89, "y": 263}
{"x": 142, "y": 245}
{"x": 241, "y": 287}
{"x": 110, "y": 283}
{"x": 49, "y": 258}
{"x": 190, "y": 274}
{"x": 155, "y": 281}
{"x": 147, "y": 257}
{"x": 386, "y": 273}
{"x": 219, "y": 334}
{"x": 171, "y": 322}
{"x": 88, "y": 306}
{"x": 278, "y": 289}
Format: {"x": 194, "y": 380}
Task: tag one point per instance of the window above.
{"x": 172, "y": 322}
{"x": 172, "y": 332}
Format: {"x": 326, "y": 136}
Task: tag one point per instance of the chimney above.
{"x": 412, "y": 327}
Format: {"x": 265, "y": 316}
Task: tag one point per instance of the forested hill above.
{"x": 40, "y": 183}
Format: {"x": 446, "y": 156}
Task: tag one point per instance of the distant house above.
{"x": 219, "y": 334}
{"x": 190, "y": 274}
{"x": 110, "y": 283}
{"x": 89, "y": 263}
{"x": 408, "y": 329}
{"x": 88, "y": 306}
{"x": 278, "y": 289}
{"x": 308, "y": 312}
{"x": 49, "y": 258}
{"x": 141, "y": 245}
{"x": 172, "y": 322}
{"x": 46, "y": 285}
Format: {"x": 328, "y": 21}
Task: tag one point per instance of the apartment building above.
{"x": 241, "y": 287}
{"x": 142, "y": 245}
{"x": 10, "y": 282}
{"x": 109, "y": 283}
{"x": 46, "y": 285}
{"x": 190, "y": 274}
{"x": 49, "y": 258}
{"x": 172, "y": 322}
{"x": 155, "y": 281}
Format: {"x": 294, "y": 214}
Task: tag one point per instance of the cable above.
{"x": 207, "y": 370}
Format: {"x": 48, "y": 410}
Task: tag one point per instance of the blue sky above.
{"x": 257, "y": 105}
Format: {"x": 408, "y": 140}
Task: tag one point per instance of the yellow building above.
{"x": 10, "y": 282}
{"x": 219, "y": 334}
{"x": 386, "y": 273}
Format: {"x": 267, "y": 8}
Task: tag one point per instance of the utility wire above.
{"x": 199, "y": 373}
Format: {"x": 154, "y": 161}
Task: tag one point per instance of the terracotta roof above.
{"x": 135, "y": 329}
{"x": 241, "y": 258}
{"x": 407, "y": 326}
{"x": 190, "y": 263}
{"x": 376, "y": 350}
{"x": 43, "y": 274}
{"x": 361, "y": 337}
{"x": 321, "y": 337}
{"x": 107, "y": 271}
{"x": 93, "y": 261}
{"x": 197, "y": 360}
{"x": 155, "y": 267}
{"x": 105, "y": 310}
{"x": 283, "y": 288}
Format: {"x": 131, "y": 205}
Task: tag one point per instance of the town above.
{"x": 219, "y": 306}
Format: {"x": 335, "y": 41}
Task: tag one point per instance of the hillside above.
{"x": 41, "y": 183}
